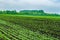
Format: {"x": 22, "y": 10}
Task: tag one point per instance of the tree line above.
{"x": 28, "y": 12}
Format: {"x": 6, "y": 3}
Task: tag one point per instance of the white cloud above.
{"x": 32, "y": 2}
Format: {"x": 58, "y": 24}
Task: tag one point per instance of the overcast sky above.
{"x": 46, "y": 5}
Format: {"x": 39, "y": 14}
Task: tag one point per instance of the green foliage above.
{"x": 25, "y": 27}
{"x": 28, "y": 12}
{"x": 32, "y": 12}
{"x": 32, "y": 25}
{"x": 8, "y": 12}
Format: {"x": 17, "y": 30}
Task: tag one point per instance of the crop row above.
{"x": 47, "y": 26}
{"x": 16, "y": 32}
{"x": 11, "y": 32}
{"x": 40, "y": 25}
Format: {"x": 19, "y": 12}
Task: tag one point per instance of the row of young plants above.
{"x": 41, "y": 25}
{"x": 3, "y": 36}
{"x": 16, "y": 32}
{"x": 47, "y": 26}
{"x": 13, "y": 31}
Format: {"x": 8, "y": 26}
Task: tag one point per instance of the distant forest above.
{"x": 28, "y": 12}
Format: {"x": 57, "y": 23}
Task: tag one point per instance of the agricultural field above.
{"x": 20, "y": 27}
{"x": 29, "y": 19}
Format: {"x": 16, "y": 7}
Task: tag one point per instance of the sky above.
{"x": 52, "y": 6}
